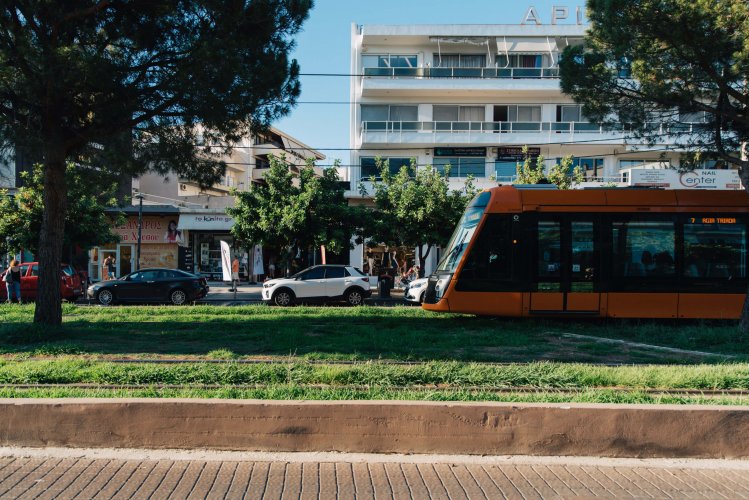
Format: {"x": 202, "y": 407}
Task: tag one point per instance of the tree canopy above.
{"x": 562, "y": 173}
{"x": 138, "y": 85}
{"x": 415, "y": 207}
{"x": 90, "y": 193}
{"x": 307, "y": 210}
{"x": 666, "y": 69}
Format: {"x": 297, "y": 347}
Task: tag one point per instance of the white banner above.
{"x": 697, "y": 179}
{"x": 225, "y": 261}
{"x": 205, "y": 222}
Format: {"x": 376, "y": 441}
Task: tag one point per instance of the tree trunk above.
{"x": 422, "y": 257}
{"x": 48, "y": 301}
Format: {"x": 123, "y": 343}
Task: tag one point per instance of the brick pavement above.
{"x": 56, "y": 473}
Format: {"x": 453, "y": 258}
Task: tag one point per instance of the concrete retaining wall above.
{"x": 380, "y": 427}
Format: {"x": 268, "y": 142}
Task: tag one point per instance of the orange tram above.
{"x": 620, "y": 253}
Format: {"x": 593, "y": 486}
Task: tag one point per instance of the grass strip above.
{"x": 363, "y": 333}
{"x": 292, "y": 392}
{"x": 543, "y": 375}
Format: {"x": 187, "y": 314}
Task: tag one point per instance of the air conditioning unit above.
{"x": 183, "y": 187}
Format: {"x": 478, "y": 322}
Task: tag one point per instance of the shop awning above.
{"x": 205, "y": 222}
{"x": 513, "y": 45}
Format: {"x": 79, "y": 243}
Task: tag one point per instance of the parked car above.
{"x": 326, "y": 283}
{"x": 71, "y": 286}
{"x": 414, "y": 291}
{"x": 151, "y": 285}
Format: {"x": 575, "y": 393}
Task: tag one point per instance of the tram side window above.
{"x": 491, "y": 256}
{"x": 644, "y": 249}
{"x": 549, "y": 250}
{"x": 714, "y": 250}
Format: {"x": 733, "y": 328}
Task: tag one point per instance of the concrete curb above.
{"x": 634, "y": 431}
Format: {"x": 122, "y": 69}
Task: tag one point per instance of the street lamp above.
{"x": 139, "y": 196}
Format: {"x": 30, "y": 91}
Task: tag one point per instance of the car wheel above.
{"x": 105, "y": 297}
{"x": 354, "y": 297}
{"x": 178, "y": 297}
{"x": 283, "y": 298}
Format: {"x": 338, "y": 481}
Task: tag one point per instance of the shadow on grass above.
{"x": 372, "y": 334}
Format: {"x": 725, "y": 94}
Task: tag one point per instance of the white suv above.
{"x": 319, "y": 283}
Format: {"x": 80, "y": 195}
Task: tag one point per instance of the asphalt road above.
{"x": 65, "y": 473}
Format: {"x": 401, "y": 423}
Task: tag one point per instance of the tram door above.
{"x": 565, "y": 266}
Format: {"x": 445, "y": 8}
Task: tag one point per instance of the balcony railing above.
{"x": 522, "y": 127}
{"x": 462, "y": 72}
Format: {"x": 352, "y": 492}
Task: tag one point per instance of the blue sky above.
{"x": 324, "y": 47}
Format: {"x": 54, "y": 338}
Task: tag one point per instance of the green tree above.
{"x": 415, "y": 207}
{"x": 138, "y": 85}
{"x": 90, "y": 193}
{"x": 654, "y": 67}
{"x": 308, "y": 209}
{"x": 531, "y": 171}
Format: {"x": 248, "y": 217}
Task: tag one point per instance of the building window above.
{"x": 458, "y": 113}
{"x": 591, "y": 167}
{"x": 523, "y": 60}
{"x": 461, "y": 166}
{"x": 569, "y": 113}
{"x": 369, "y": 166}
{"x": 389, "y": 61}
{"x": 459, "y": 60}
{"x": 517, "y": 113}
{"x": 385, "y": 113}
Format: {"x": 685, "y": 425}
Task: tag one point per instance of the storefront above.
{"x": 202, "y": 251}
{"x": 160, "y": 243}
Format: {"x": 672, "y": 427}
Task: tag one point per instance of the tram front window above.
{"x": 463, "y": 234}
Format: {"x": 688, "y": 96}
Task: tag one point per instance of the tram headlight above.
{"x": 443, "y": 281}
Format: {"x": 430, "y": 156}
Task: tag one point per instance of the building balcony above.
{"x": 491, "y": 133}
{"x": 462, "y": 72}
{"x": 379, "y": 82}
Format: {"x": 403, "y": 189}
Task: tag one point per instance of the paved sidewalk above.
{"x": 66, "y": 473}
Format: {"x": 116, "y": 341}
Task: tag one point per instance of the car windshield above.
{"x": 463, "y": 233}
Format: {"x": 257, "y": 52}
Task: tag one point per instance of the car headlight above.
{"x": 443, "y": 281}
{"x": 417, "y": 285}
{"x": 266, "y": 285}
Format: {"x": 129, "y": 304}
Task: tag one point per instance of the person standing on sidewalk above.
{"x": 12, "y": 279}
{"x": 234, "y": 274}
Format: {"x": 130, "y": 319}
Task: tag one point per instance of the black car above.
{"x": 151, "y": 285}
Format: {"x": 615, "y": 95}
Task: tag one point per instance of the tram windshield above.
{"x": 463, "y": 233}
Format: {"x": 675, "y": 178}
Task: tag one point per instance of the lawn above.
{"x": 357, "y": 334}
{"x": 365, "y": 353}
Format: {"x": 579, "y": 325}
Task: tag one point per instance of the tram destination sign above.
{"x": 460, "y": 152}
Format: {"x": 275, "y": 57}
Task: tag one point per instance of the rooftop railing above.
{"x": 462, "y": 72}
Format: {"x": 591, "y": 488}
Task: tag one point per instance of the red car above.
{"x": 71, "y": 285}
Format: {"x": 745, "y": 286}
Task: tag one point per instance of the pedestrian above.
{"x": 234, "y": 274}
{"x": 370, "y": 263}
{"x": 12, "y": 279}
{"x": 271, "y": 267}
{"x": 111, "y": 267}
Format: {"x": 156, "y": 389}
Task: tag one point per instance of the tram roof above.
{"x": 509, "y": 198}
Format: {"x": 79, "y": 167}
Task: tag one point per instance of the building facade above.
{"x": 471, "y": 96}
{"x": 183, "y": 224}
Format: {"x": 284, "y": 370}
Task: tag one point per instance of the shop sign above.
{"x": 460, "y": 152}
{"x": 159, "y": 255}
{"x": 206, "y": 222}
{"x": 516, "y": 153}
{"x": 558, "y": 13}
{"x": 155, "y": 230}
{"x": 695, "y": 179}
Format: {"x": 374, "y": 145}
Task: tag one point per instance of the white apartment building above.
{"x": 472, "y": 96}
